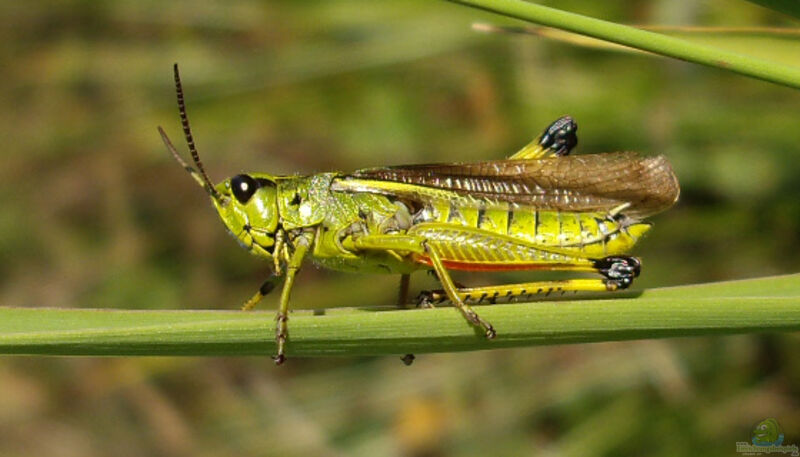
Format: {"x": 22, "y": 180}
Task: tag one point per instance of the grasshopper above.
{"x": 540, "y": 209}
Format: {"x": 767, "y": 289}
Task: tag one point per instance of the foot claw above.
{"x": 279, "y": 359}
{"x": 425, "y": 299}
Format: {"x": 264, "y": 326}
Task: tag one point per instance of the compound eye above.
{"x": 243, "y": 187}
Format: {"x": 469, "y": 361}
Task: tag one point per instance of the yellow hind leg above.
{"x": 618, "y": 271}
{"x": 524, "y": 290}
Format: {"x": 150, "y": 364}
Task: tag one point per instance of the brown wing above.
{"x": 593, "y": 182}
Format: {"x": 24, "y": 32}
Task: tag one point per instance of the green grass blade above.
{"x": 770, "y": 43}
{"x": 790, "y": 7}
{"x": 760, "y": 305}
{"x": 642, "y": 39}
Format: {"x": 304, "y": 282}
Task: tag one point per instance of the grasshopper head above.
{"x": 247, "y": 204}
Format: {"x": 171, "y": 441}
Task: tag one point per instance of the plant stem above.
{"x": 642, "y": 39}
{"x": 761, "y": 305}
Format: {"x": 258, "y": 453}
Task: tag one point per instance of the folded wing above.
{"x": 580, "y": 183}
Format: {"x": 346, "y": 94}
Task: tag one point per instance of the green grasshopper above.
{"x": 540, "y": 209}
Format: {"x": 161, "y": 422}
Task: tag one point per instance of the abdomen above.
{"x": 516, "y": 238}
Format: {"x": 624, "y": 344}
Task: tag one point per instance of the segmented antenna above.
{"x": 187, "y": 131}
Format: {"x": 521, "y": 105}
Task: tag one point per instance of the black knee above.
{"x": 560, "y": 136}
{"x": 619, "y": 270}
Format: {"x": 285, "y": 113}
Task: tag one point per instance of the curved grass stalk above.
{"x": 751, "y": 37}
{"x": 644, "y": 40}
{"x": 760, "y": 305}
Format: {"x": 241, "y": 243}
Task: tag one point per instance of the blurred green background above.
{"x": 96, "y": 214}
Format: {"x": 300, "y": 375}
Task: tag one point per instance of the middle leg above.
{"x": 420, "y": 245}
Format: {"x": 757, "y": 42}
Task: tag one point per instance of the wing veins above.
{"x": 596, "y": 182}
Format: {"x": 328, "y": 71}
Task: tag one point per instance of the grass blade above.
{"x": 642, "y": 39}
{"x": 776, "y": 44}
{"x": 760, "y": 305}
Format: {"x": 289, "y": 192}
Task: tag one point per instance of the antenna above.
{"x": 180, "y": 160}
{"x": 187, "y": 131}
